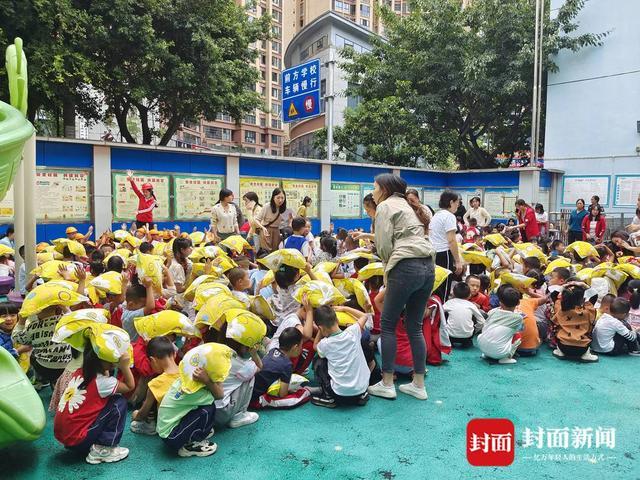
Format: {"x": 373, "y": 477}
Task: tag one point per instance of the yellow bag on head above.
{"x": 520, "y": 282}
{"x": 197, "y": 237}
{"x": 47, "y": 257}
{"x": 583, "y": 249}
{"x": 326, "y": 267}
{"x": 6, "y": 251}
{"x": 557, "y": 263}
{"x": 108, "y": 282}
{"x": 345, "y": 319}
{"x": 320, "y": 277}
{"x": 120, "y": 235}
{"x": 71, "y": 326}
{"x": 476, "y": 258}
{"x": 284, "y": 256}
{"x": 159, "y": 249}
{"x": 50, "y": 270}
{"x": 210, "y": 251}
{"x": 585, "y": 275}
{"x": 123, "y": 253}
{"x": 268, "y": 279}
{"x": 261, "y": 307}
{"x": 531, "y": 250}
{"x": 208, "y": 290}
{"x": 375, "y": 269}
{"x": 76, "y": 248}
{"x": 319, "y": 293}
{"x": 236, "y": 243}
{"x": 352, "y": 286}
{"x": 495, "y": 239}
{"x": 355, "y": 254}
{"x": 150, "y": 266}
{"x": 630, "y": 269}
{"x": 131, "y": 240}
{"x": 441, "y": 275}
{"x": 165, "y": 323}
{"x": 190, "y": 292}
{"x": 213, "y": 311}
{"x": 220, "y": 265}
{"x": 214, "y": 358}
{"x": 110, "y": 342}
{"x": 47, "y": 295}
{"x": 245, "y": 327}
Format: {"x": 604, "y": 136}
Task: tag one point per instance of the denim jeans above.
{"x": 409, "y": 286}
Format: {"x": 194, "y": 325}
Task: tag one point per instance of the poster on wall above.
{"x": 544, "y": 197}
{"x": 296, "y": 190}
{"x": 574, "y": 187}
{"x": 345, "y": 200}
{"x": 125, "y": 201}
{"x": 263, "y": 187}
{"x": 627, "y": 190}
{"x": 500, "y": 202}
{"x": 431, "y": 197}
{"x": 367, "y": 188}
{"x": 193, "y": 196}
{"x": 6, "y": 207}
{"x": 63, "y": 195}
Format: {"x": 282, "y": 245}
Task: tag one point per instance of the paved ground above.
{"x": 402, "y": 439}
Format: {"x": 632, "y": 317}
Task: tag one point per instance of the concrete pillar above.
{"x": 232, "y": 181}
{"x": 529, "y": 186}
{"x": 18, "y": 213}
{"x": 325, "y": 197}
{"x": 102, "y": 194}
{"x": 396, "y": 171}
{"x": 29, "y": 192}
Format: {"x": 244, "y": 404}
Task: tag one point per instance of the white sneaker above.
{"x": 142, "y": 427}
{"x": 103, "y": 454}
{"x": 198, "y": 449}
{"x": 411, "y": 389}
{"x": 634, "y": 353}
{"x": 382, "y": 390}
{"x": 558, "y": 353}
{"x": 243, "y": 418}
{"x": 588, "y": 356}
{"x": 508, "y": 360}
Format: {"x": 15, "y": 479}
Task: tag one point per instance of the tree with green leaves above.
{"x": 451, "y": 82}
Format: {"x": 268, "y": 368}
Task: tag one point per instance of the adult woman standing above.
{"x": 252, "y": 206}
{"x": 527, "y": 222}
{"x": 268, "y": 220}
{"x": 442, "y": 232}
{"x": 479, "y": 213}
{"x": 594, "y": 225}
{"x": 413, "y": 197}
{"x": 401, "y": 243}
{"x": 302, "y": 209}
{"x": 575, "y": 222}
{"x": 224, "y": 217}
{"x": 146, "y": 202}
{"x": 634, "y": 226}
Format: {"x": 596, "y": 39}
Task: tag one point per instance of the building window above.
{"x": 276, "y": 3}
{"x": 263, "y": 122}
{"x": 276, "y": 123}
{"x": 304, "y": 54}
{"x": 277, "y": 31}
{"x": 365, "y": 10}
{"x": 263, "y": 74}
{"x": 275, "y": 77}
{"x": 217, "y": 133}
{"x": 275, "y": 93}
{"x": 263, "y": 138}
{"x": 275, "y": 139}
{"x": 274, "y": 152}
{"x": 397, "y": 6}
{"x": 276, "y": 62}
{"x": 250, "y": 149}
{"x": 249, "y": 137}
{"x": 364, "y": 22}
{"x": 276, "y": 109}
{"x": 277, "y": 16}
{"x": 251, "y": 119}
{"x": 276, "y": 47}
{"x": 263, "y": 59}
{"x": 263, "y": 90}
{"x": 224, "y": 117}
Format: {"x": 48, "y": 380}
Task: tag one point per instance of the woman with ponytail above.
{"x": 146, "y": 202}
{"x": 402, "y": 244}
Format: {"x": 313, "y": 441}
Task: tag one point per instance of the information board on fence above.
{"x": 63, "y": 195}
{"x": 125, "y": 201}
{"x": 500, "y": 202}
{"x": 345, "y": 200}
{"x": 194, "y": 196}
{"x": 627, "y": 190}
{"x": 296, "y": 190}
{"x": 431, "y": 197}
{"x": 6, "y": 207}
{"x": 576, "y": 187}
{"x": 263, "y": 187}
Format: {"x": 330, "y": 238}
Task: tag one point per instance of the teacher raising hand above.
{"x": 402, "y": 244}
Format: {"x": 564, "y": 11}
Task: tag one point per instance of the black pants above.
{"x": 622, "y": 346}
{"x": 140, "y": 224}
{"x": 574, "y": 236}
{"x": 50, "y": 375}
{"x": 445, "y": 260}
{"x": 572, "y": 351}
{"x": 463, "y": 342}
{"x": 321, "y": 372}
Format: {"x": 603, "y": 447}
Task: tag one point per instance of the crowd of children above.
{"x": 193, "y": 332}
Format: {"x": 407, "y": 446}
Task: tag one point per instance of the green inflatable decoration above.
{"x": 15, "y": 129}
{"x": 22, "y": 414}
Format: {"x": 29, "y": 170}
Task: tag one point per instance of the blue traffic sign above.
{"x": 301, "y": 91}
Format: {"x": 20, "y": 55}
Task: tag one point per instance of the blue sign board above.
{"x": 301, "y": 91}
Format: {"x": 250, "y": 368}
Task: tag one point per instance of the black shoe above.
{"x": 364, "y": 398}
{"x": 323, "y": 402}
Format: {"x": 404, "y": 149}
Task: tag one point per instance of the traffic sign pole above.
{"x": 329, "y": 97}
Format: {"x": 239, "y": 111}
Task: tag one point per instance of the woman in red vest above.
{"x": 527, "y": 221}
{"x": 146, "y": 202}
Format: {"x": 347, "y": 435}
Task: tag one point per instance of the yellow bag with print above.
{"x": 608, "y": 270}
{"x": 120, "y": 235}
{"x": 208, "y": 290}
{"x": 557, "y": 263}
{"x": 261, "y": 307}
{"x": 150, "y": 266}
{"x": 123, "y": 253}
{"x": 213, "y": 311}
{"x": 320, "y": 277}
{"x": 345, "y": 319}
{"x": 319, "y": 293}
{"x": 108, "y": 282}
{"x": 441, "y": 275}
{"x": 268, "y": 279}
{"x": 630, "y": 269}
{"x": 244, "y": 327}
{"x": 110, "y": 342}
{"x": 352, "y": 286}
{"x": 131, "y": 240}
{"x": 214, "y": 358}
{"x": 210, "y": 251}
{"x": 47, "y": 295}
{"x": 197, "y": 237}
{"x": 355, "y": 254}
{"x": 76, "y": 248}
{"x": 47, "y": 257}
{"x": 42, "y": 247}
{"x": 495, "y": 239}
{"x": 159, "y": 249}
{"x": 71, "y": 326}
{"x": 476, "y": 258}
{"x": 326, "y": 267}
{"x": 165, "y": 323}
{"x": 236, "y": 243}
{"x": 6, "y": 251}
{"x": 220, "y": 265}
{"x": 375, "y": 269}
{"x": 190, "y": 292}
{"x": 295, "y": 384}
{"x": 585, "y": 275}
{"x": 520, "y": 282}
{"x": 531, "y": 250}
{"x": 284, "y": 256}
{"x": 50, "y": 270}
{"x": 583, "y": 249}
